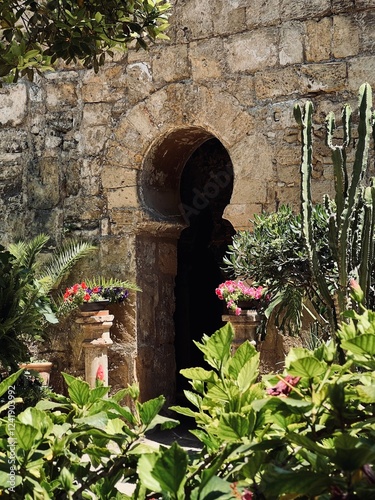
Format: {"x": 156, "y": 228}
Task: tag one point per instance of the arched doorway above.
{"x": 205, "y": 190}
{"x": 184, "y": 186}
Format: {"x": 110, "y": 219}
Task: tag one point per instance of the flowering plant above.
{"x": 233, "y": 292}
{"x": 99, "y": 290}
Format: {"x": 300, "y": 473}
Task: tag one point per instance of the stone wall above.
{"x": 99, "y": 155}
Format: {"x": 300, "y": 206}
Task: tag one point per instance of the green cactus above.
{"x": 351, "y": 213}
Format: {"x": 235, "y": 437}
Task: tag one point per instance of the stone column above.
{"x": 245, "y": 327}
{"x": 96, "y": 326}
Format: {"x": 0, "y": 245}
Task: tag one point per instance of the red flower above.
{"x": 100, "y": 373}
{"x": 284, "y": 387}
{"x": 247, "y": 495}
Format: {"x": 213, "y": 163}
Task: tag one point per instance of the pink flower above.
{"x": 357, "y": 291}
{"x": 247, "y": 495}
{"x": 100, "y": 373}
{"x": 233, "y": 292}
{"x": 283, "y": 388}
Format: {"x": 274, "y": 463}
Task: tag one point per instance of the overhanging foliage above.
{"x": 34, "y": 35}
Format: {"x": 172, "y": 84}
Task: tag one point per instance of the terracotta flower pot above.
{"x": 42, "y": 367}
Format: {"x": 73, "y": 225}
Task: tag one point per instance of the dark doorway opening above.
{"x": 205, "y": 190}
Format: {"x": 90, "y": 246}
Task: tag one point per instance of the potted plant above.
{"x": 89, "y": 295}
{"x": 41, "y": 367}
{"x": 249, "y": 300}
{"x": 238, "y": 296}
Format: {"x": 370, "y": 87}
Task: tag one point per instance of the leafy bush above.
{"x": 27, "y": 282}
{"x": 74, "y": 447}
{"x": 305, "y": 434}
{"x": 308, "y": 433}
{"x": 34, "y": 35}
{"x": 309, "y": 259}
{"x": 273, "y": 254}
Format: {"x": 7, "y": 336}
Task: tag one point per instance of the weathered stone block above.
{"x": 252, "y": 51}
{"x": 170, "y": 64}
{"x": 193, "y": 22}
{"x": 291, "y": 43}
{"x": 206, "y": 58}
{"x": 365, "y": 22}
{"x": 167, "y": 258}
{"x": 91, "y": 140}
{"x": 13, "y": 103}
{"x": 114, "y": 177}
{"x": 60, "y": 94}
{"x": 345, "y": 41}
{"x": 106, "y": 86}
{"x": 318, "y": 39}
{"x": 242, "y": 89}
{"x": 360, "y": 70}
{"x": 228, "y": 17}
{"x": 127, "y": 196}
{"x": 303, "y": 8}
{"x": 139, "y": 83}
{"x": 262, "y": 12}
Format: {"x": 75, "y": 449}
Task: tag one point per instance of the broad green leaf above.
{"x": 25, "y": 435}
{"x": 295, "y": 484}
{"x": 170, "y": 470}
{"x": 59, "y": 430}
{"x": 194, "y": 398}
{"x": 149, "y": 409}
{"x": 146, "y": 464}
{"x": 4, "y": 480}
{"x": 234, "y": 426}
{"x": 198, "y": 374}
{"x": 79, "y": 391}
{"x": 183, "y": 411}
{"x": 254, "y": 463}
{"x": 99, "y": 420}
{"x": 164, "y": 422}
{"x": 66, "y": 479}
{"x": 307, "y": 367}
{"x": 296, "y": 353}
{"x": 98, "y": 393}
{"x": 216, "y": 489}
{"x": 363, "y": 344}
{"x": 366, "y": 393}
{"x": 7, "y": 384}
{"x": 112, "y": 407}
{"x": 351, "y": 453}
{"x": 115, "y": 426}
{"x": 36, "y": 418}
{"x": 45, "y": 404}
{"x": 219, "y": 392}
{"x": 216, "y": 348}
{"x": 310, "y": 444}
{"x": 248, "y": 374}
{"x": 242, "y": 355}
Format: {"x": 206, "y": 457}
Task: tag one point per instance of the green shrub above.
{"x": 73, "y": 447}
{"x": 274, "y": 254}
{"x": 307, "y": 434}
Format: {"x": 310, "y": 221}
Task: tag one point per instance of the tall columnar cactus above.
{"x": 351, "y": 214}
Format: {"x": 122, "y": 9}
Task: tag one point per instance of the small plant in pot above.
{"x": 90, "y": 295}
{"x": 238, "y": 295}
